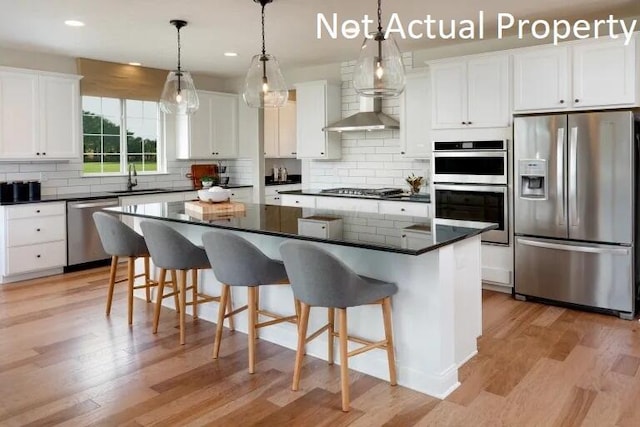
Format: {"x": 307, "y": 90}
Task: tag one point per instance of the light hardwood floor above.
{"x": 62, "y": 362}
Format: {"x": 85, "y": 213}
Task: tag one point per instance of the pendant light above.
{"x": 264, "y": 85}
{"x": 379, "y": 71}
{"x": 179, "y": 94}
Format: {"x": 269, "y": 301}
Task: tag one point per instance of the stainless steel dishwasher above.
{"x": 83, "y": 242}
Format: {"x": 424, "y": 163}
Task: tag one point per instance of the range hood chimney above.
{"x": 369, "y": 118}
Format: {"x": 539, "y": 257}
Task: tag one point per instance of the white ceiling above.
{"x": 139, "y": 30}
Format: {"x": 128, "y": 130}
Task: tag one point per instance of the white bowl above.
{"x": 214, "y": 194}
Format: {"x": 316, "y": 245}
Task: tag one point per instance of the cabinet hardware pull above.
{"x": 44, "y": 154}
{"x": 37, "y": 154}
{"x": 323, "y": 227}
{"x": 469, "y": 123}
{"x": 38, "y": 256}
{"x": 402, "y": 152}
{"x": 562, "y": 101}
{"x": 401, "y": 209}
{"x": 322, "y": 154}
{"x": 404, "y": 236}
{"x": 577, "y": 100}
{"x": 37, "y": 229}
{"x": 297, "y": 201}
{"x": 464, "y": 123}
{"x": 38, "y": 211}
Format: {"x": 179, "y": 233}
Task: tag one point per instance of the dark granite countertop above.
{"x": 109, "y": 194}
{"x": 426, "y": 198}
{"x": 364, "y": 230}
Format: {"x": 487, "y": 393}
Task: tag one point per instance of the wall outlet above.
{"x": 43, "y": 177}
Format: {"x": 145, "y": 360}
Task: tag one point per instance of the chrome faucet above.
{"x": 132, "y": 182}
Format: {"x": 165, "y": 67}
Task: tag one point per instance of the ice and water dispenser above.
{"x": 532, "y": 179}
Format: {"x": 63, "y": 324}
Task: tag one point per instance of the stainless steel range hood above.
{"x": 369, "y": 118}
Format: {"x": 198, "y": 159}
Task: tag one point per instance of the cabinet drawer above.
{"x": 347, "y": 204}
{"x": 401, "y": 208}
{"x": 31, "y": 210}
{"x": 27, "y": 231}
{"x": 298, "y": 201}
{"x": 23, "y": 259}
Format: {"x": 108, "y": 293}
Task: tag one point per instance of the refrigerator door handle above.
{"x": 573, "y": 178}
{"x": 594, "y": 249}
{"x": 560, "y": 177}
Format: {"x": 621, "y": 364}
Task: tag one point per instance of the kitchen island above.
{"x": 437, "y": 312}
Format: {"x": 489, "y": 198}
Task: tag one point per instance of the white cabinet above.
{"x": 280, "y": 131}
{"x": 320, "y": 226}
{"x": 272, "y": 193}
{"x": 404, "y": 208}
{"x": 244, "y": 194}
{"x": 347, "y": 204}
{"x": 415, "y": 117}
{"x": 212, "y": 131}
{"x": 416, "y": 237}
{"x": 471, "y": 92}
{"x": 39, "y": 115}
{"x": 583, "y": 74}
{"x": 540, "y": 79}
{"x": 33, "y": 240}
{"x": 318, "y": 104}
{"x": 298, "y": 201}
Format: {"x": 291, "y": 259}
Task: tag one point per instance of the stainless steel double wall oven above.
{"x": 471, "y": 184}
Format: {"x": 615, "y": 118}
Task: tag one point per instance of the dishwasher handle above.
{"x": 93, "y": 204}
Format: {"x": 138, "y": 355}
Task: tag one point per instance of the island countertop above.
{"x": 380, "y": 232}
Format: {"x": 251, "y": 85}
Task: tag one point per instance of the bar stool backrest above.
{"x": 171, "y": 250}
{"x": 238, "y": 262}
{"x": 319, "y": 278}
{"x": 117, "y": 238}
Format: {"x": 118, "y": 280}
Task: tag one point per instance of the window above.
{"x": 117, "y": 132}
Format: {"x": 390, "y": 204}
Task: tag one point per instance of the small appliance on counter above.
{"x": 19, "y": 191}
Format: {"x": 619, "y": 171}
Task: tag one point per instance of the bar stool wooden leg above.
{"x": 330, "y": 333}
{"x": 183, "y": 303}
{"x": 224, "y": 299}
{"x": 252, "y": 302}
{"x": 194, "y": 291}
{"x": 161, "y": 282}
{"x": 229, "y": 310}
{"x": 176, "y": 289}
{"x": 256, "y": 316}
{"x": 303, "y": 324}
{"x": 130, "y": 273}
{"x": 344, "y": 359}
{"x": 112, "y": 282}
{"x": 388, "y": 333}
{"x": 147, "y": 279}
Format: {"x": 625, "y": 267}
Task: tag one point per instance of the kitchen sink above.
{"x": 140, "y": 190}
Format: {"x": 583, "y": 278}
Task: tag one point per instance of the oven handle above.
{"x": 497, "y": 153}
{"x": 480, "y": 188}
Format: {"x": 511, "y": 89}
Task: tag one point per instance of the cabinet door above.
{"x": 488, "y": 91}
{"x": 200, "y": 134}
{"x": 540, "y": 79}
{"x": 415, "y": 114}
{"x": 604, "y": 73}
{"x": 312, "y": 228}
{"x": 224, "y": 126}
{"x": 19, "y": 133}
{"x": 270, "y": 132}
{"x": 310, "y": 119}
{"x": 272, "y": 200}
{"x": 449, "y": 89}
{"x": 59, "y": 118}
{"x": 287, "y": 130}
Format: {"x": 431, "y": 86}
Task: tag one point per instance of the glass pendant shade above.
{"x": 179, "y": 94}
{"x": 377, "y": 77}
{"x": 264, "y": 85}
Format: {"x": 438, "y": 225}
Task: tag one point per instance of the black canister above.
{"x": 20, "y": 191}
{"x": 6, "y": 192}
{"x": 34, "y": 190}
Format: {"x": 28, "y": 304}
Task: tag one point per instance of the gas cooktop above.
{"x": 363, "y": 192}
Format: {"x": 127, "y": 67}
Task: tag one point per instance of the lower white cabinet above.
{"x": 404, "y": 208}
{"x": 34, "y": 240}
{"x": 322, "y": 227}
{"x": 298, "y": 201}
{"x": 244, "y": 194}
{"x": 272, "y": 193}
{"x": 417, "y": 209}
{"x": 416, "y": 238}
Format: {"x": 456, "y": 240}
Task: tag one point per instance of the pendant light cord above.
{"x": 380, "y": 16}
{"x": 264, "y": 49}
{"x": 380, "y": 35}
{"x": 179, "y": 69}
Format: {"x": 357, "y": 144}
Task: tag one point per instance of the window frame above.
{"x": 161, "y": 157}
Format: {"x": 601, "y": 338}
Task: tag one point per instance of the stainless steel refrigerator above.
{"x": 574, "y": 209}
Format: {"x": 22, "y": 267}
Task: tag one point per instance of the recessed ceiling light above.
{"x": 74, "y": 23}
{"x": 135, "y": 64}
{"x": 230, "y": 54}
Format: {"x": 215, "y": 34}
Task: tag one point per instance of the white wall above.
{"x": 369, "y": 159}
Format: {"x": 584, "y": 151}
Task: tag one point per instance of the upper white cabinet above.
{"x": 318, "y": 105}
{"x": 584, "y": 74}
{"x": 415, "y": 117}
{"x": 280, "y": 131}
{"x": 212, "y": 131}
{"x": 39, "y": 115}
{"x": 470, "y": 92}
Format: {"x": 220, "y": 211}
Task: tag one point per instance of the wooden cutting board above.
{"x": 201, "y": 207}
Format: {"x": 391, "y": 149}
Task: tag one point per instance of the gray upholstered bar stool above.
{"x": 119, "y": 240}
{"x": 320, "y": 279}
{"x": 237, "y": 262}
{"x": 171, "y": 251}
